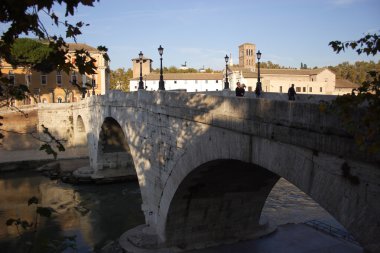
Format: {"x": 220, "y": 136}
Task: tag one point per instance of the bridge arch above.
{"x": 222, "y": 196}
{"x": 113, "y": 149}
{"x": 80, "y": 132}
{"x": 318, "y": 175}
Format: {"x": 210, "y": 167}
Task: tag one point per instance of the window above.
{"x": 27, "y": 101}
{"x": 303, "y": 89}
{"x": 59, "y": 78}
{"x": 43, "y": 79}
{"x": 216, "y": 81}
{"x": 28, "y": 79}
{"x": 11, "y": 77}
{"x": 298, "y": 89}
{"x": 310, "y": 89}
{"x": 59, "y": 100}
{"x": 175, "y": 81}
{"x": 320, "y": 89}
{"x": 280, "y": 89}
{"x": 93, "y": 81}
{"x": 84, "y": 80}
{"x": 73, "y": 78}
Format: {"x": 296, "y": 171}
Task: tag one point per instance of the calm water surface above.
{"x": 97, "y": 214}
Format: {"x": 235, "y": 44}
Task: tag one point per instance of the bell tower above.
{"x": 146, "y": 66}
{"x": 247, "y": 55}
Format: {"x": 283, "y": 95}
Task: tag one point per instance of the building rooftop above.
{"x": 344, "y": 83}
{"x": 79, "y": 46}
{"x": 183, "y": 76}
{"x": 253, "y": 72}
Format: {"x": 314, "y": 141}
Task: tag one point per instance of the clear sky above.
{"x": 202, "y": 32}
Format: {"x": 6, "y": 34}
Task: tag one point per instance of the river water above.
{"x": 98, "y": 214}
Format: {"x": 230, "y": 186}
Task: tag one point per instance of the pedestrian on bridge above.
{"x": 292, "y": 93}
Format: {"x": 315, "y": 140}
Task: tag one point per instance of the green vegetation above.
{"x": 359, "y": 72}
{"x": 360, "y": 110}
{"x": 173, "y": 69}
{"x": 119, "y": 79}
{"x": 47, "y": 53}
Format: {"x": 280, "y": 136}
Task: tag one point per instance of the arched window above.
{"x": 59, "y": 100}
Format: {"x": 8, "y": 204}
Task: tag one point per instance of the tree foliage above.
{"x": 271, "y": 65}
{"x": 119, "y": 79}
{"x": 50, "y": 52}
{"x": 360, "y": 110}
{"x": 357, "y": 72}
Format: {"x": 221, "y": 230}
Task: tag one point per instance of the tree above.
{"x": 23, "y": 17}
{"x": 360, "y": 110}
{"x": 120, "y": 79}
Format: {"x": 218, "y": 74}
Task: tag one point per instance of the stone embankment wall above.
{"x": 20, "y": 128}
{"x": 23, "y": 132}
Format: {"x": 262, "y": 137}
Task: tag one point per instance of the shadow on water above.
{"x": 95, "y": 214}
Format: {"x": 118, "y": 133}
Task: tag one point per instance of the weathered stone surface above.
{"x": 172, "y": 138}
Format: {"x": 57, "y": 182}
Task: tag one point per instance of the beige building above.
{"x": 306, "y": 81}
{"x": 247, "y": 55}
{"x": 57, "y": 86}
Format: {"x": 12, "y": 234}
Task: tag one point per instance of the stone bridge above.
{"x": 206, "y": 163}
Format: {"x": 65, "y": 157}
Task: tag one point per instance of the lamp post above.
{"x": 161, "y": 84}
{"x": 141, "y": 83}
{"x": 226, "y": 84}
{"x": 258, "y": 85}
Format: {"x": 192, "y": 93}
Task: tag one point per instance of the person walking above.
{"x": 292, "y": 93}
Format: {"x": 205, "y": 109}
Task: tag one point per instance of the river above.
{"x": 98, "y": 214}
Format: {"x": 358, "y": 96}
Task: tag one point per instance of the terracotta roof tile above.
{"x": 79, "y": 46}
{"x": 344, "y": 83}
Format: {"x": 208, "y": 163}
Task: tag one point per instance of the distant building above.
{"x": 306, "y": 81}
{"x": 56, "y": 86}
{"x": 184, "y": 66}
{"x": 191, "y": 82}
{"x": 343, "y": 86}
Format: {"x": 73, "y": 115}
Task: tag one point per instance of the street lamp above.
{"x": 226, "y": 84}
{"x": 258, "y": 85}
{"x": 161, "y": 84}
{"x": 141, "y": 83}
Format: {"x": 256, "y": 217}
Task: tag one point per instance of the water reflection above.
{"x": 97, "y": 214}
{"x": 94, "y": 213}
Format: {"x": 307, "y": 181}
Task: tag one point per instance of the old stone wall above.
{"x": 170, "y": 134}
{"x": 20, "y": 128}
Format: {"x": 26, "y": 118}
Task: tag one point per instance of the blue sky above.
{"x": 202, "y": 32}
